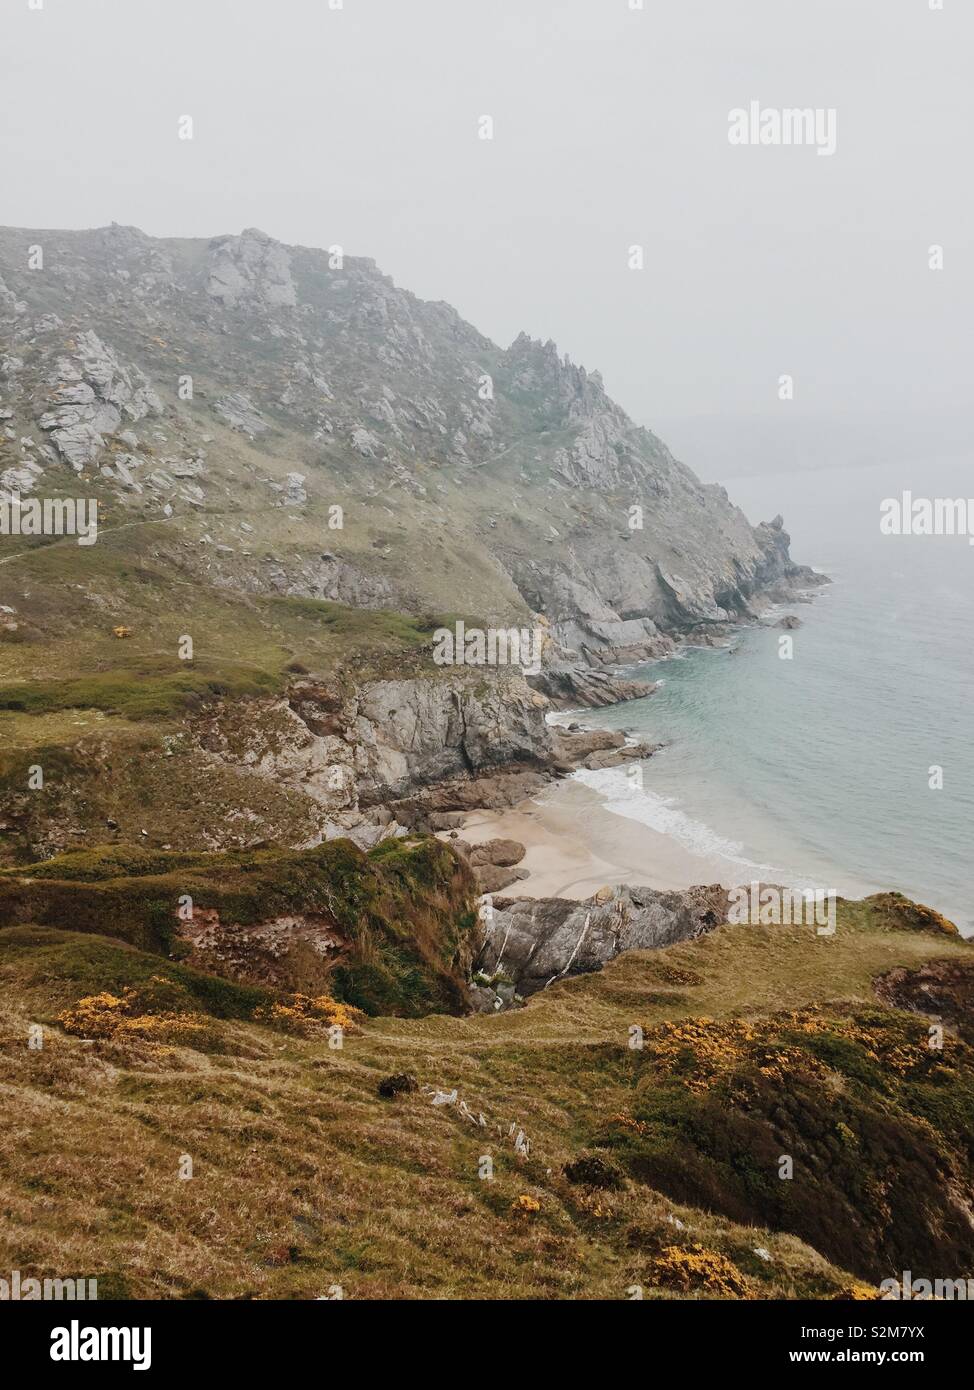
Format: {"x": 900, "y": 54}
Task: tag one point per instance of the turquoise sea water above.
{"x": 816, "y": 769}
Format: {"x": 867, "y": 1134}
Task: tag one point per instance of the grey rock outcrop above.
{"x": 391, "y": 746}
{"x": 494, "y": 862}
{"x": 295, "y": 494}
{"x": 323, "y": 576}
{"x": 416, "y": 732}
{"x": 534, "y": 941}
{"x": 92, "y": 392}
{"x": 240, "y": 413}
{"x": 572, "y": 687}
{"x": 251, "y": 268}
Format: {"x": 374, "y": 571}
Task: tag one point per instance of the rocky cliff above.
{"x": 301, "y": 472}
{"x": 238, "y": 378}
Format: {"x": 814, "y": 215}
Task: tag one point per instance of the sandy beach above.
{"x": 575, "y": 846}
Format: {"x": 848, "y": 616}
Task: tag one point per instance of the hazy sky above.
{"x": 360, "y": 126}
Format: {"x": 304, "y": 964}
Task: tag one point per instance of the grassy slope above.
{"x": 124, "y": 700}
{"x": 305, "y": 1178}
{"x": 404, "y": 912}
{"x": 142, "y": 578}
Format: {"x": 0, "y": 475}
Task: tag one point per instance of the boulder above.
{"x": 503, "y": 853}
{"x": 537, "y": 940}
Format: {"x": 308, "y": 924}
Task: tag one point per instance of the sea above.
{"x": 848, "y": 765}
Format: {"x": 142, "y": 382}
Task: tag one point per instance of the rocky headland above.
{"x": 250, "y": 896}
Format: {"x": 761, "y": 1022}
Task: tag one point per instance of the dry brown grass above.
{"x": 305, "y": 1179}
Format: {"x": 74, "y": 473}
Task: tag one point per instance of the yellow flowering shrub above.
{"x": 525, "y": 1205}
{"x": 858, "y": 1292}
{"x": 702, "y": 1051}
{"x": 308, "y": 1015}
{"x": 116, "y": 1017}
{"x": 696, "y": 1270}
{"x": 699, "y": 1050}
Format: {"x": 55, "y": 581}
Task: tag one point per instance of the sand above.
{"x": 575, "y": 846}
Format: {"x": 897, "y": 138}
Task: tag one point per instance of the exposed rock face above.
{"x": 251, "y": 268}
{"x": 537, "y": 940}
{"x": 322, "y": 576}
{"x": 597, "y": 748}
{"x": 324, "y": 761}
{"x": 574, "y": 687}
{"x": 240, "y": 413}
{"x": 295, "y": 494}
{"x": 419, "y": 746}
{"x": 422, "y": 731}
{"x": 283, "y": 742}
{"x": 493, "y": 862}
{"x": 425, "y": 809}
{"x": 19, "y": 480}
{"x": 777, "y": 566}
{"x": 513, "y": 464}
{"x": 92, "y": 391}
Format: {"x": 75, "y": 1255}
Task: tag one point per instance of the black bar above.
{"x": 280, "y": 1338}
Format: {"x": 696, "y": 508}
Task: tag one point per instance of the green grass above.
{"x": 53, "y": 969}
{"x": 373, "y": 627}
{"x": 139, "y": 693}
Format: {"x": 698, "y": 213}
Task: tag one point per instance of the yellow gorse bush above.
{"x": 307, "y": 1014}
{"x": 702, "y": 1050}
{"x": 114, "y": 1017}
{"x": 525, "y": 1203}
{"x": 696, "y": 1270}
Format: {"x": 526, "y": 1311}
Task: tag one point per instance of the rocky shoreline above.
{"x": 335, "y": 482}
{"x": 397, "y": 759}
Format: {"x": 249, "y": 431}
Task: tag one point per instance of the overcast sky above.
{"x": 360, "y": 126}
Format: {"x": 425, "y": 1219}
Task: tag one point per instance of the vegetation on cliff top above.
{"x": 840, "y": 1124}
{"x": 402, "y": 914}
{"x": 306, "y": 1177}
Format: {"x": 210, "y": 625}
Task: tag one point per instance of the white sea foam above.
{"x": 661, "y": 814}
{"x": 561, "y": 718}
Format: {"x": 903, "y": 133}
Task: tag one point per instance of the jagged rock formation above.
{"x": 270, "y": 430}
{"x": 93, "y": 392}
{"x": 351, "y": 749}
{"x": 250, "y": 268}
{"x": 534, "y": 941}
{"x": 324, "y": 760}
{"x": 159, "y": 363}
